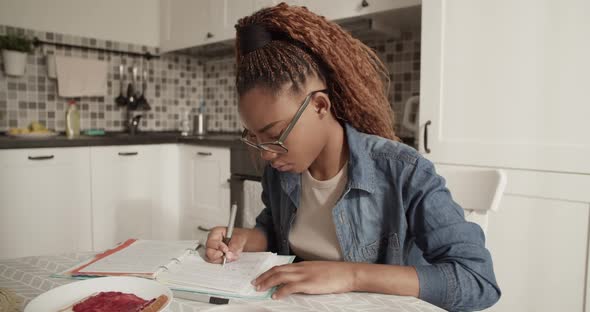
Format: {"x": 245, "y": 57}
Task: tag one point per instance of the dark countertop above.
{"x": 119, "y": 138}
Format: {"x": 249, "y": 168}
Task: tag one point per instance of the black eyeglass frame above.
{"x": 280, "y": 143}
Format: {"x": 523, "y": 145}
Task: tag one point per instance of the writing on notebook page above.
{"x": 233, "y": 277}
{"x": 181, "y": 266}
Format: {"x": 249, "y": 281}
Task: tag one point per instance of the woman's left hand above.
{"x": 310, "y": 277}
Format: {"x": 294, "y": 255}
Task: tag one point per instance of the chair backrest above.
{"x": 476, "y": 190}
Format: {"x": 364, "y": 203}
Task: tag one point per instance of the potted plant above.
{"x": 14, "y": 53}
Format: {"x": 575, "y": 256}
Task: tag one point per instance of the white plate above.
{"x": 239, "y": 308}
{"x": 34, "y": 135}
{"x": 65, "y": 295}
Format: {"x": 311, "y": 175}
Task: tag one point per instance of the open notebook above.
{"x": 181, "y": 267}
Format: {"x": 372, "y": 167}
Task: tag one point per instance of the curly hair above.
{"x": 304, "y": 44}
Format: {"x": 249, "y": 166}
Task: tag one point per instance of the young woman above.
{"x": 364, "y": 212}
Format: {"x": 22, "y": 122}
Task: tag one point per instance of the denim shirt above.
{"x": 396, "y": 210}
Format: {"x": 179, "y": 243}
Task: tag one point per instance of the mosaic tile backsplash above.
{"x": 176, "y": 83}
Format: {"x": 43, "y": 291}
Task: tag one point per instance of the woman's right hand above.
{"x": 216, "y": 248}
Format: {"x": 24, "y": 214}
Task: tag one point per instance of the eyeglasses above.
{"x": 278, "y": 146}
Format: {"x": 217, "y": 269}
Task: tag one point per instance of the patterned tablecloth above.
{"x": 28, "y": 277}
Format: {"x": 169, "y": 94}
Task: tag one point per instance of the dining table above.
{"x": 23, "y": 279}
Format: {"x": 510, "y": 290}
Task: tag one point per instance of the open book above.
{"x": 182, "y": 267}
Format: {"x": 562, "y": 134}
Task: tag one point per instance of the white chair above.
{"x": 476, "y": 190}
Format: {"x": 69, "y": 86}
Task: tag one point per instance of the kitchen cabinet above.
{"x": 191, "y": 23}
{"x": 204, "y": 188}
{"x": 187, "y": 23}
{"x": 126, "y": 196}
{"x": 503, "y": 87}
{"x": 343, "y": 9}
{"x": 91, "y": 198}
{"x": 45, "y": 205}
{"x": 233, "y": 11}
{"x": 504, "y": 83}
{"x": 539, "y": 249}
{"x": 168, "y": 192}
{"x": 539, "y": 241}
{"x": 337, "y": 10}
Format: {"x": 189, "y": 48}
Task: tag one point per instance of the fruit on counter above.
{"x": 14, "y": 131}
{"x": 34, "y": 127}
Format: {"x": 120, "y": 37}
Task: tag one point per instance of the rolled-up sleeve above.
{"x": 460, "y": 274}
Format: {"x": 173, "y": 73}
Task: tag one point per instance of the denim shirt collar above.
{"x": 360, "y": 170}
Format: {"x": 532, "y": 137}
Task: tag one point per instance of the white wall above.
{"x": 132, "y": 21}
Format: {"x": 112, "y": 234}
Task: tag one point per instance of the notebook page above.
{"x": 194, "y": 272}
{"x": 143, "y": 256}
{"x": 250, "y": 291}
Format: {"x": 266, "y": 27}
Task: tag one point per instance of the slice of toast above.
{"x": 156, "y": 304}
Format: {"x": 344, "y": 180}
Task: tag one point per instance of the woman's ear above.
{"x": 321, "y": 103}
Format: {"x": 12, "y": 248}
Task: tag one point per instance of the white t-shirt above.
{"x": 313, "y": 234}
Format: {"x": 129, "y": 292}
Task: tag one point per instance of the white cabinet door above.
{"x": 341, "y": 9}
{"x": 187, "y": 23}
{"x": 190, "y": 23}
{"x": 539, "y": 241}
{"x": 259, "y": 4}
{"x": 44, "y": 201}
{"x": 168, "y": 193}
{"x": 539, "y": 250}
{"x": 233, "y": 10}
{"x": 205, "y": 189}
{"x": 504, "y": 83}
{"x": 125, "y": 193}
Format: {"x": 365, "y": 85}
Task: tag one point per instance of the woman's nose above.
{"x": 266, "y": 155}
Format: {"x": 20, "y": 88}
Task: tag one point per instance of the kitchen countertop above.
{"x": 120, "y": 138}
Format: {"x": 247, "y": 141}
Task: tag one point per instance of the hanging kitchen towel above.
{"x": 78, "y": 77}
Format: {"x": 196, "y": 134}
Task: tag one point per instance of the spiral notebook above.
{"x": 181, "y": 266}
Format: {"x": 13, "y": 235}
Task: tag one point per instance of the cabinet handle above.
{"x": 204, "y": 153}
{"x": 200, "y": 228}
{"x": 41, "y": 157}
{"x": 128, "y": 153}
{"x": 365, "y": 3}
{"x": 426, "y": 137}
{"x": 209, "y": 35}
